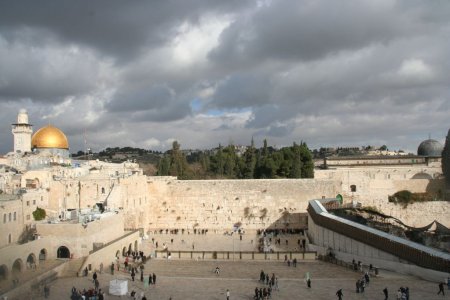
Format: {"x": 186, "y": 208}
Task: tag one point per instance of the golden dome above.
{"x": 49, "y": 137}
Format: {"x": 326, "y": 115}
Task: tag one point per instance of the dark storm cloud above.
{"x": 118, "y": 28}
{"x": 307, "y": 30}
{"x": 47, "y": 72}
{"x": 329, "y": 73}
{"x": 140, "y": 99}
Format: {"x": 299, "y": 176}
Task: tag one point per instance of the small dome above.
{"x": 430, "y": 148}
{"x": 49, "y": 137}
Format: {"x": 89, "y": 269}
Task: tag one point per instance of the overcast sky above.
{"x": 204, "y": 72}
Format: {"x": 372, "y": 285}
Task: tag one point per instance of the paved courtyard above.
{"x": 192, "y": 279}
{"x": 196, "y": 280}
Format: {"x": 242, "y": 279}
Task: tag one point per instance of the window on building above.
{"x": 353, "y": 188}
{"x": 15, "y": 216}
{"x": 9, "y": 219}
{"x": 28, "y": 203}
{"x": 28, "y": 217}
{"x": 4, "y": 218}
{"x": 103, "y": 190}
{"x": 34, "y": 202}
{"x": 9, "y": 238}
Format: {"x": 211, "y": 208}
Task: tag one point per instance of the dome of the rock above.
{"x": 49, "y": 137}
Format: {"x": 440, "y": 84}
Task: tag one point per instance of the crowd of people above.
{"x": 271, "y": 284}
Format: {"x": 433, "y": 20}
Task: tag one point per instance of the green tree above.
{"x": 39, "y": 214}
{"x": 174, "y": 163}
{"x": 446, "y": 159}
{"x": 249, "y": 162}
{"x": 307, "y": 161}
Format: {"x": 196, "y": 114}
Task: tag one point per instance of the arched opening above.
{"x": 130, "y": 248}
{"x": 124, "y": 251}
{"x": 43, "y": 254}
{"x": 17, "y": 266}
{"x": 103, "y": 190}
{"x": 353, "y": 188}
{"x": 9, "y": 238}
{"x": 3, "y": 272}
{"x": 31, "y": 261}
{"x": 63, "y": 252}
{"x": 135, "y": 246}
{"x": 340, "y": 198}
{"x": 117, "y": 253}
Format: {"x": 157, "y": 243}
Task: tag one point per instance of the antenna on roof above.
{"x": 85, "y": 145}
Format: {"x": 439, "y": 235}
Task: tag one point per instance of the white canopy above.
{"x": 118, "y": 287}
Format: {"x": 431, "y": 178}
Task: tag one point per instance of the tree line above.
{"x": 225, "y": 163}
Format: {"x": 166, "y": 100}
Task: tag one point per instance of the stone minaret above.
{"x": 22, "y": 132}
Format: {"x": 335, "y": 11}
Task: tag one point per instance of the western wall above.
{"x": 255, "y": 204}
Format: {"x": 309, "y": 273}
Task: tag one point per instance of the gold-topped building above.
{"x": 49, "y": 137}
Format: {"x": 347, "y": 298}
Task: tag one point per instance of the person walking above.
{"x": 94, "y": 277}
{"x": 132, "y": 274}
{"x": 385, "y": 292}
{"x": 308, "y": 283}
{"x": 228, "y": 294}
{"x": 441, "y": 289}
{"x": 154, "y": 278}
{"x": 339, "y": 294}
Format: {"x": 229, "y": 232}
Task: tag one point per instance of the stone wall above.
{"x": 79, "y": 238}
{"x": 219, "y": 204}
{"x": 418, "y": 214}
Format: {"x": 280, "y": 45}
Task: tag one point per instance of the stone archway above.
{"x": 17, "y": 266}
{"x": 124, "y": 251}
{"x": 43, "y": 254}
{"x": 130, "y": 249}
{"x": 31, "y": 261}
{"x": 117, "y": 253}
{"x": 136, "y": 246}
{"x": 3, "y": 272}
{"x": 63, "y": 252}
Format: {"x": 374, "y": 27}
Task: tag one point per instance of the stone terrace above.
{"x": 191, "y": 279}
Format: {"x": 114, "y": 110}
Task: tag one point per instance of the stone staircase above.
{"x": 73, "y": 267}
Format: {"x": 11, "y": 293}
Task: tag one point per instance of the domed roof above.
{"x": 49, "y": 137}
{"x": 430, "y": 148}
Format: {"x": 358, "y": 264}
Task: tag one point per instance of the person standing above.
{"x": 94, "y": 277}
{"x": 96, "y": 284}
{"x": 132, "y": 274}
{"x": 228, "y": 294}
{"x": 154, "y": 278}
{"x": 339, "y": 294}
{"x": 46, "y": 291}
{"x": 100, "y": 295}
{"x": 385, "y": 292}
{"x": 308, "y": 283}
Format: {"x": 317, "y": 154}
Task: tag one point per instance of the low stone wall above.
{"x": 106, "y": 254}
{"x": 34, "y": 285}
{"x": 230, "y": 255}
